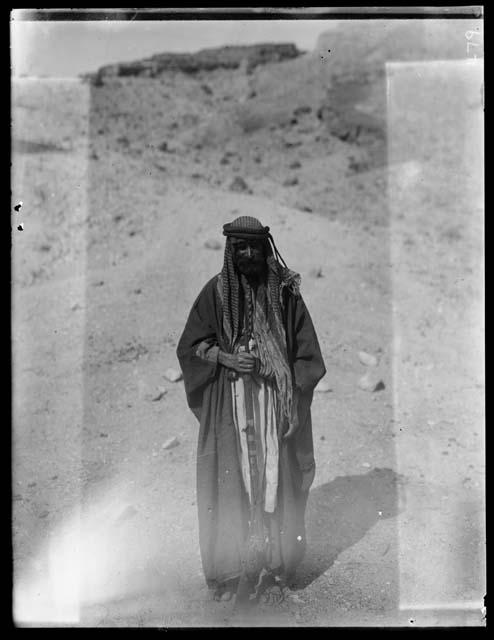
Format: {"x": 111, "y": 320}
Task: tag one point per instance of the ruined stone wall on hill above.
{"x": 229, "y": 57}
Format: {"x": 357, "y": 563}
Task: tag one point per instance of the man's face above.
{"x": 249, "y": 256}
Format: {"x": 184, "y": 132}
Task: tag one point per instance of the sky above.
{"x": 65, "y": 49}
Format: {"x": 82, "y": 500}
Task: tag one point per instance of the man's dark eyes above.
{"x": 243, "y": 247}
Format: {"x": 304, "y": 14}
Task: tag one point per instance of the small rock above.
{"x": 128, "y": 512}
{"x": 367, "y": 358}
{"x": 161, "y": 393}
{"x": 137, "y": 291}
{"x": 290, "y": 182}
{"x": 240, "y": 186}
{"x": 323, "y": 387}
{"x": 316, "y": 272}
{"x": 103, "y": 435}
{"x": 43, "y": 514}
{"x": 173, "y": 375}
{"x": 171, "y": 443}
{"x": 31, "y": 484}
{"x": 322, "y": 438}
{"x": 213, "y": 244}
{"x": 371, "y": 383}
{"x": 366, "y": 465}
{"x": 295, "y": 165}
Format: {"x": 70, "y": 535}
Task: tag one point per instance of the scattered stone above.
{"x": 301, "y": 110}
{"x": 103, "y": 435}
{"x": 316, "y": 272}
{"x": 367, "y": 358}
{"x": 367, "y": 465}
{"x": 173, "y": 375}
{"x": 306, "y": 208}
{"x": 75, "y": 307}
{"x": 171, "y": 443}
{"x": 289, "y": 144}
{"x": 369, "y": 382}
{"x": 17, "y": 496}
{"x": 54, "y": 477}
{"x": 100, "y": 283}
{"x": 137, "y": 291}
{"x": 31, "y": 484}
{"x": 323, "y": 387}
{"x": 43, "y": 514}
{"x": 240, "y": 186}
{"x": 128, "y": 512}
{"x": 213, "y": 244}
{"x": 290, "y": 182}
{"x": 295, "y": 165}
{"x": 322, "y": 438}
{"x": 207, "y": 89}
{"x": 161, "y": 394}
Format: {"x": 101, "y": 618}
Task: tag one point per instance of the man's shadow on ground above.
{"x": 340, "y": 513}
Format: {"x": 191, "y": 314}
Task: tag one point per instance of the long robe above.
{"x": 223, "y": 507}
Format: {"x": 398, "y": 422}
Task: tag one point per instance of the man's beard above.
{"x": 250, "y": 267}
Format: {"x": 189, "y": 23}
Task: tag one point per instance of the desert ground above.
{"x": 370, "y": 176}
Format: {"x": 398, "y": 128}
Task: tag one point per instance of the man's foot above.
{"x": 273, "y": 595}
{"x": 225, "y": 591}
{"x": 270, "y": 589}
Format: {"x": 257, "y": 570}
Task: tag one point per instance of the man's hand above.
{"x": 294, "y": 422}
{"x": 292, "y": 429}
{"x": 239, "y": 362}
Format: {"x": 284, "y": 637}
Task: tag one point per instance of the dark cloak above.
{"x": 222, "y": 501}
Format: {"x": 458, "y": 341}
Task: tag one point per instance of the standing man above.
{"x": 250, "y": 360}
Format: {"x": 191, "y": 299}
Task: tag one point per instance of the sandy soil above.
{"x": 121, "y": 187}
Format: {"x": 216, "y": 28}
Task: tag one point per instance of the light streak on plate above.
{"x": 101, "y": 553}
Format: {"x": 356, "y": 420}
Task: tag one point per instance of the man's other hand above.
{"x": 240, "y": 362}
